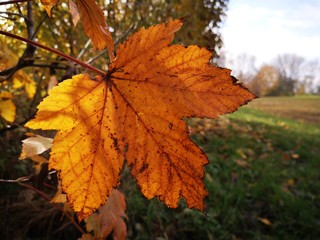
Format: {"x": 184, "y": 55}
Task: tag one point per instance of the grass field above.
{"x": 263, "y": 181}
{"x": 263, "y": 177}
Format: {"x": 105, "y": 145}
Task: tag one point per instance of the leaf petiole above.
{"x": 83, "y": 64}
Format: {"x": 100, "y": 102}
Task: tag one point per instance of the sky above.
{"x": 267, "y": 28}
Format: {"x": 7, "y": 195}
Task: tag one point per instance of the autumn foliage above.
{"x": 134, "y": 113}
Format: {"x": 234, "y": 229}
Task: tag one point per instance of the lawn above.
{"x": 263, "y": 177}
{"x": 263, "y": 181}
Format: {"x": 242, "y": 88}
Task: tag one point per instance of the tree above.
{"x": 266, "y": 79}
{"x": 289, "y": 67}
{"x": 243, "y": 66}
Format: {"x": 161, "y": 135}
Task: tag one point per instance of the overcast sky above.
{"x": 266, "y": 28}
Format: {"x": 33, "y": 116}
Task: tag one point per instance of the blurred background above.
{"x": 263, "y": 177}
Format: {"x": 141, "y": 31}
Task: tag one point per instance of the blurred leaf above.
{"x": 109, "y": 218}
{"x": 59, "y": 197}
{"x": 38, "y": 161}
{"x": 242, "y": 163}
{"x": 22, "y": 79}
{"x": 265, "y": 221}
{"x": 48, "y": 4}
{"x": 74, "y": 12}
{"x": 7, "y": 107}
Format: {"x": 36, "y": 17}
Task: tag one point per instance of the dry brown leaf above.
{"x": 109, "y": 218}
{"x": 34, "y": 146}
{"x": 95, "y": 25}
{"x": 74, "y": 12}
{"x": 265, "y": 221}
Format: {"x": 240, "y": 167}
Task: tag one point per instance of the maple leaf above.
{"x": 135, "y": 112}
{"x": 7, "y": 107}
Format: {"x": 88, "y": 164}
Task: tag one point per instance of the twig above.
{"x": 85, "y": 65}
{"x": 84, "y": 48}
{"x": 42, "y": 194}
{"x": 131, "y": 28}
{"x": 18, "y": 180}
{"x": 14, "y": 1}
{"x": 13, "y": 14}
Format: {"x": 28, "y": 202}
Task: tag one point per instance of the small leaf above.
{"x": 7, "y": 107}
{"x": 93, "y": 22}
{"x": 48, "y": 4}
{"x": 265, "y": 221}
{"x": 109, "y": 219}
{"x": 52, "y": 82}
{"x": 74, "y": 12}
{"x": 34, "y": 146}
{"x": 59, "y": 197}
{"x": 22, "y": 79}
{"x": 38, "y": 161}
{"x": 95, "y": 25}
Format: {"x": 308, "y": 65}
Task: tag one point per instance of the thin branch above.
{"x": 84, "y": 49}
{"x": 85, "y": 65}
{"x": 18, "y": 180}
{"x": 131, "y": 28}
{"x": 42, "y": 194}
{"x": 15, "y": 125}
{"x": 14, "y": 14}
{"x": 29, "y": 22}
{"x": 14, "y": 1}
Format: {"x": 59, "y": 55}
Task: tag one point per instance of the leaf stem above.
{"x": 85, "y": 65}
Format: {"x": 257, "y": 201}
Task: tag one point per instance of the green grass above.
{"x": 261, "y": 168}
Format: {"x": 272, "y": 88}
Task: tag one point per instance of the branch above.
{"x": 42, "y": 194}
{"x": 13, "y": 14}
{"x": 85, "y": 65}
{"x": 18, "y": 180}
{"x": 130, "y": 29}
{"x": 14, "y": 1}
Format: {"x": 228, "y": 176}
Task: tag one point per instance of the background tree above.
{"x": 30, "y": 20}
{"x": 290, "y": 69}
{"x": 289, "y": 74}
{"x": 265, "y": 80}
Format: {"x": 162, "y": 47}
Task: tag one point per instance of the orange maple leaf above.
{"x": 135, "y": 112}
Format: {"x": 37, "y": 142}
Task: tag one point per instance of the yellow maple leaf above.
{"x": 7, "y": 107}
{"x": 135, "y": 112}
